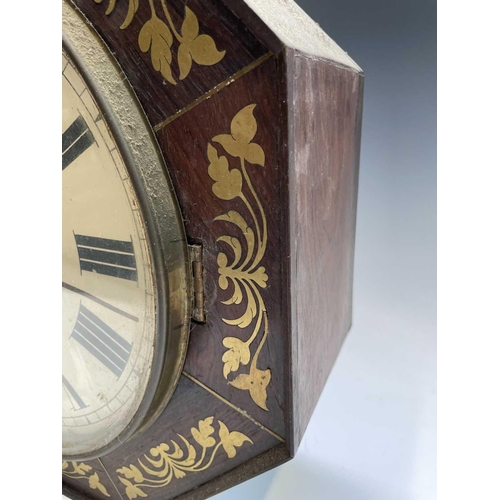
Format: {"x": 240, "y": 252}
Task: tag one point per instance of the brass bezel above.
{"x": 160, "y": 209}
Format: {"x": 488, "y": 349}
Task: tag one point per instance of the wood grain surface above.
{"x": 184, "y": 143}
{"x": 159, "y": 97}
{"x": 191, "y": 404}
{"x": 79, "y": 485}
{"x": 325, "y": 134}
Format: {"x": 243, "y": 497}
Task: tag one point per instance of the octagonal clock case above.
{"x": 210, "y": 156}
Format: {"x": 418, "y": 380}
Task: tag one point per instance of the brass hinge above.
{"x": 198, "y": 288}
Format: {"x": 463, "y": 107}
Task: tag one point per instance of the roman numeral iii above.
{"x": 104, "y": 256}
{"x": 101, "y": 341}
{"x": 75, "y": 140}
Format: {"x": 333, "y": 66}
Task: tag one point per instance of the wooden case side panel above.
{"x": 200, "y": 443}
{"x": 88, "y": 480}
{"x": 324, "y": 127}
{"x": 236, "y": 207}
{"x": 173, "y": 52}
{"x": 196, "y": 438}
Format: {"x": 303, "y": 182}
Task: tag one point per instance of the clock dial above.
{"x": 109, "y": 301}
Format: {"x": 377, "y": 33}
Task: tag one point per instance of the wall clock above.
{"x": 210, "y": 164}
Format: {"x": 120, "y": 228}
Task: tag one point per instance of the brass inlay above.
{"x": 166, "y": 462}
{"x": 157, "y": 37}
{"x": 231, "y": 405}
{"x": 242, "y": 271}
{"x": 196, "y": 260}
{"x": 213, "y": 91}
{"x": 80, "y": 470}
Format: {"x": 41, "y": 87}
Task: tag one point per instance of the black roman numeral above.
{"x": 101, "y": 341}
{"x": 75, "y": 140}
{"x": 110, "y": 257}
{"x": 76, "y": 400}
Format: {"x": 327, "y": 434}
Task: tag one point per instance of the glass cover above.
{"x": 108, "y": 288}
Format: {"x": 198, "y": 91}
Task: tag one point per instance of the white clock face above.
{"x": 109, "y": 321}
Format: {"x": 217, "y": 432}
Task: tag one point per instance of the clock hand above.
{"x": 71, "y": 391}
{"x": 72, "y": 288}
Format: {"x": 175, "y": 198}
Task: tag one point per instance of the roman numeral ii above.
{"x": 75, "y": 140}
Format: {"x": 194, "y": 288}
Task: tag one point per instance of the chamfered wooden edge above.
{"x": 296, "y": 429}
{"x": 254, "y": 467}
{"x": 268, "y": 38}
{"x": 72, "y": 493}
{"x": 255, "y": 24}
{"x": 284, "y": 87}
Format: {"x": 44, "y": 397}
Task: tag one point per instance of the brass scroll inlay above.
{"x": 80, "y": 470}
{"x": 157, "y": 38}
{"x": 166, "y": 462}
{"x": 242, "y": 271}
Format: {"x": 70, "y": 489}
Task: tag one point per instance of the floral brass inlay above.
{"x": 243, "y": 271}
{"x": 79, "y": 470}
{"x": 157, "y": 37}
{"x": 166, "y": 462}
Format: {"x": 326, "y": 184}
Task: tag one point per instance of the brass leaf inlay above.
{"x": 168, "y": 461}
{"x": 157, "y": 37}
{"x": 242, "y": 270}
{"x": 80, "y": 470}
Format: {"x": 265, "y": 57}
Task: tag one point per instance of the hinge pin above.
{"x": 196, "y": 254}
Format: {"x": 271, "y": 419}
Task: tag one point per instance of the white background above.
{"x": 372, "y": 435}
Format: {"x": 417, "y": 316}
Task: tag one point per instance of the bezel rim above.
{"x": 163, "y": 223}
